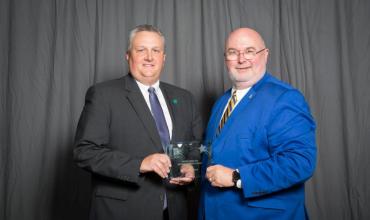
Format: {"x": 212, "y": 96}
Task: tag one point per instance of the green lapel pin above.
{"x": 174, "y": 101}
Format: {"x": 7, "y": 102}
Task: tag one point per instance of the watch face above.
{"x": 236, "y": 176}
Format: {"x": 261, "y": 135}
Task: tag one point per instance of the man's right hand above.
{"x": 158, "y": 163}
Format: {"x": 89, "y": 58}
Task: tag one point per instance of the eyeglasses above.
{"x": 248, "y": 53}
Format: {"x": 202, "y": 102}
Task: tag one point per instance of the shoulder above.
{"x": 110, "y": 84}
{"x": 106, "y": 90}
{"x": 275, "y": 85}
{"x": 283, "y": 97}
{"x": 276, "y": 88}
{"x": 175, "y": 90}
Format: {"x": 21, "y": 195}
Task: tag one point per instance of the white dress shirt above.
{"x": 239, "y": 96}
{"x": 162, "y": 102}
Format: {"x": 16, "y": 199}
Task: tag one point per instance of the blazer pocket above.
{"x": 110, "y": 192}
{"x": 244, "y": 141}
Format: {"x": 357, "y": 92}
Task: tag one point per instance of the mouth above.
{"x": 243, "y": 68}
{"x": 148, "y": 64}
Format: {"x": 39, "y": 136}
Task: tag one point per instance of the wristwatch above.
{"x": 236, "y": 179}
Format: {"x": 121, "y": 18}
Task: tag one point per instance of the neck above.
{"x": 148, "y": 82}
{"x": 246, "y": 84}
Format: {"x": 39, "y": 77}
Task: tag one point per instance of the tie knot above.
{"x": 234, "y": 97}
{"x": 151, "y": 90}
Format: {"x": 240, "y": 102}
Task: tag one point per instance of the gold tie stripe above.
{"x": 229, "y": 108}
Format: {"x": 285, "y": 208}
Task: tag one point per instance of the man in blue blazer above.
{"x": 263, "y": 141}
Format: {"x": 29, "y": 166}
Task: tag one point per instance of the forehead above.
{"x": 147, "y": 39}
{"x": 243, "y": 40}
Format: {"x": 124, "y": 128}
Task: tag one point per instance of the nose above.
{"x": 148, "y": 56}
{"x": 241, "y": 58}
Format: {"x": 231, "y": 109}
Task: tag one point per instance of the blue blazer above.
{"x": 270, "y": 138}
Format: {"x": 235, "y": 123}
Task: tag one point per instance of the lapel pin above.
{"x": 174, "y": 101}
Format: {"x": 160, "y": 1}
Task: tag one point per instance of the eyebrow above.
{"x": 247, "y": 48}
{"x": 144, "y": 47}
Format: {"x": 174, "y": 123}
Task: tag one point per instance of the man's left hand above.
{"x": 188, "y": 175}
{"x": 220, "y": 176}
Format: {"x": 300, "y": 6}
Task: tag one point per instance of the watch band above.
{"x": 239, "y": 184}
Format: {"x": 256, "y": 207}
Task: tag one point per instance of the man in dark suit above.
{"x": 263, "y": 141}
{"x": 123, "y": 128}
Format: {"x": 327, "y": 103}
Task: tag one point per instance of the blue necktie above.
{"x": 159, "y": 119}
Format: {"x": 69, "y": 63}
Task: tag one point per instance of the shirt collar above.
{"x": 240, "y": 93}
{"x": 145, "y": 88}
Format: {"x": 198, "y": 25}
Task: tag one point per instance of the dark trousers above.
{"x": 165, "y": 214}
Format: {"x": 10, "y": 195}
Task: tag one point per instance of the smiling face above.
{"x": 146, "y": 57}
{"x": 244, "y": 72}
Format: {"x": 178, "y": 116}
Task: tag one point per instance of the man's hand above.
{"x": 158, "y": 163}
{"x": 188, "y": 175}
{"x": 220, "y": 176}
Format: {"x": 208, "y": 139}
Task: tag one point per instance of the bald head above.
{"x": 245, "y": 57}
{"x": 246, "y": 35}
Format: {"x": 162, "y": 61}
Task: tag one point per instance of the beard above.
{"x": 245, "y": 79}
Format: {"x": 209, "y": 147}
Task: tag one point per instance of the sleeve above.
{"x": 290, "y": 133}
{"x": 92, "y": 151}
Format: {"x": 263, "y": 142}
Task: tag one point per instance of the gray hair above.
{"x": 140, "y": 28}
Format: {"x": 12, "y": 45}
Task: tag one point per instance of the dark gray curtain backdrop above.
{"x": 51, "y": 51}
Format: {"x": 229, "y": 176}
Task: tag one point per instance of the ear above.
{"x": 267, "y": 53}
{"x": 127, "y": 55}
{"x": 164, "y": 57}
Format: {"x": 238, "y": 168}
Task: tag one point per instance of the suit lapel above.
{"x": 138, "y": 103}
{"x": 219, "y": 112}
{"x": 170, "y": 97}
{"x": 238, "y": 110}
{"x": 242, "y": 105}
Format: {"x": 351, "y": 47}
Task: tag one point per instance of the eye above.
{"x": 232, "y": 52}
{"x": 156, "y": 50}
{"x": 249, "y": 51}
{"x": 140, "y": 50}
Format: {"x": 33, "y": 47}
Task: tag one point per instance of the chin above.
{"x": 243, "y": 78}
{"x": 149, "y": 74}
{"x": 153, "y": 77}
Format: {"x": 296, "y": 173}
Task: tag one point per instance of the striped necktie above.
{"x": 227, "y": 113}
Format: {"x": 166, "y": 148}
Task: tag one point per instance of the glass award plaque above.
{"x": 185, "y": 154}
{"x": 207, "y": 150}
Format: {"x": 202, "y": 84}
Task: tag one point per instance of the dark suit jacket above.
{"x": 115, "y": 133}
